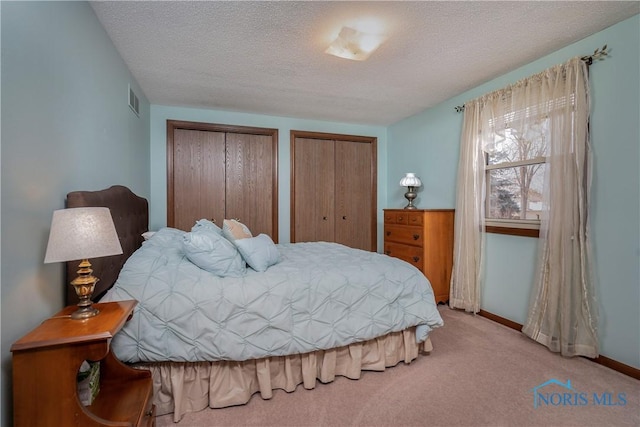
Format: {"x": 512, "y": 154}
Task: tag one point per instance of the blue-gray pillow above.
{"x": 206, "y": 224}
{"x": 165, "y": 237}
{"x": 212, "y": 252}
{"x": 259, "y": 252}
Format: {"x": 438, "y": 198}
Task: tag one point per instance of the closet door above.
{"x": 313, "y": 216}
{"x": 333, "y": 189}
{"x": 222, "y": 171}
{"x": 198, "y": 169}
{"x": 353, "y": 194}
{"x": 249, "y": 181}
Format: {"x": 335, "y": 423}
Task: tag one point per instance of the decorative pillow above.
{"x": 233, "y": 230}
{"x": 205, "y": 223}
{"x": 259, "y": 252}
{"x": 147, "y": 234}
{"x": 166, "y": 237}
{"x": 212, "y": 252}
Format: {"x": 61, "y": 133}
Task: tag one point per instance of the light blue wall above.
{"x": 160, "y": 115}
{"x": 429, "y": 145}
{"x": 66, "y": 126}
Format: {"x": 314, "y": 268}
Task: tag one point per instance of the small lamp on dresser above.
{"x": 411, "y": 181}
{"x": 80, "y": 234}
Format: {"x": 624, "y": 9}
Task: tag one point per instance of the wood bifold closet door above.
{"x": 219, "y": 171}
{"x": 333, "y": 189}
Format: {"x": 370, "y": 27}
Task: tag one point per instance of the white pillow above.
{"x": 259, "y": 252}
{"x": 212, "y": 252}
{"x": 148, "y": 234}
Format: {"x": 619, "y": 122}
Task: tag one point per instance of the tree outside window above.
{"x": 515, "y": 172}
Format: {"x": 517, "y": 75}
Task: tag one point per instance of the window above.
{"x": 515, "y": 169}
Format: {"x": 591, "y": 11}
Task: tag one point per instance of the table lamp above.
{"x": 80, "y": 234}
{"x": 411, "y": 181}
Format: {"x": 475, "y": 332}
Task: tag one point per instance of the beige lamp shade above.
{"x": 82, "y": 233}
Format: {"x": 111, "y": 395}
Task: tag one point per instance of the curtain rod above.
{"x": 597, "y": 55}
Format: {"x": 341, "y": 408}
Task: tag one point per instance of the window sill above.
{"x": 524, "y": 232}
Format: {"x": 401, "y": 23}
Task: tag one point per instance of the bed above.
{"x": 314, "y": 312}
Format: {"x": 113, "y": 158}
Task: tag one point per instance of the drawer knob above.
{"x": 387, "y": 252}
{"x": 416, "y": 258}
{"x": 324, "y": 218}
{"x": 416, "y": 236}
{"x": 400, "y": 218}
{"x": 344, "y": 217}
{"x": 388, "y": 233}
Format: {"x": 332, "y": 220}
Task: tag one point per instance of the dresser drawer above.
{"x": 415, "y": 218}
{"x": 404, "y": 234}
{"x": 403, "y": 217}
{"x": 396, "y": 217}
{"x": 411, "y": 254}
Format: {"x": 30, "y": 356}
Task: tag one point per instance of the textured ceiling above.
{"x": 268, "y": 57}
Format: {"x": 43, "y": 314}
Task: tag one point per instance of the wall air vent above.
{"x": 134, "y": 102}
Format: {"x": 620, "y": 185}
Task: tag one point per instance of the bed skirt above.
{"x": 188, "y": 387}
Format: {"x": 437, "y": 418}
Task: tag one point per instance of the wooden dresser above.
{"x": 46, "y": 362}
{"x": 424, "y": 238}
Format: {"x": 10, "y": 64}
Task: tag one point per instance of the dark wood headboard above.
{"x": 130, "y": 216}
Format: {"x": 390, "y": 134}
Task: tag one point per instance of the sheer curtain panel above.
{"x": 562, "y": 309}
{"x": 468, "y": 246}
{"x": 548, "y": 113}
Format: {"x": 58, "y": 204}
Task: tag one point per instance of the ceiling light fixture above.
{"x": 354, "y": 44}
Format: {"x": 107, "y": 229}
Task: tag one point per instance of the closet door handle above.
{"x": 324, "y": 218}
{"x": 344, "y": 217}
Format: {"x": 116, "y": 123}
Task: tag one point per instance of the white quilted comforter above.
{"x": 319, "y": 296}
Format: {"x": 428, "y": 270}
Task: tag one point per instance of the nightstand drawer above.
{"x": 403, "y": 234}
{"x": 410, "y": 254}
{"x": 149, "y": 417}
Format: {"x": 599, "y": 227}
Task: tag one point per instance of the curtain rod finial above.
{"x": 597, "y": 55}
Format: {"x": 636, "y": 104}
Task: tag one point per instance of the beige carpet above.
{"x": 480, "y": 373}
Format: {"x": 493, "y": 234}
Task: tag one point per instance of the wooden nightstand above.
{"x": 424, "y": 238}
{"x": 46, "y": 362}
